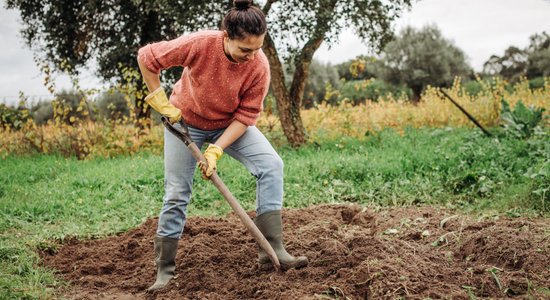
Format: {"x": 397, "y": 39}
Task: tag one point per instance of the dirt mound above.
{"x": 354, "y": 253}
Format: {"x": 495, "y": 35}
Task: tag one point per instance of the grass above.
{"x": 45, "y": 199}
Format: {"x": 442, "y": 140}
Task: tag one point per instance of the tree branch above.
{"x": 277, "y": 74}
{"x": 305, "y": 55}
{"x": 267, "y": 6}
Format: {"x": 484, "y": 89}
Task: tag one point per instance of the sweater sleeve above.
{"x": 251, "y": 103}
{"x": 163, "y": 55}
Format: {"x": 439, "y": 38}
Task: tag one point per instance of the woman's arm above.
{"x": 151, "y": 79}
{"x": 215, "y": 151}
{"x": 157, "y": 98}
{"x": 235, "y": 130}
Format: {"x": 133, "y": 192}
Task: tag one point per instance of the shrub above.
{"x": 42, "y": 112}
{"x": 71, "y": 106}
{"x": 521, "y": 121}
{"x": 85, "y": 138}
{"x": 13, "y": 117}
{"x": 434, "y": 110}
{"x": 112, "y": 105}
{"x": 359, "y": 91}
{"x": 473, "y": 87}
{"x": 536, "y": 83}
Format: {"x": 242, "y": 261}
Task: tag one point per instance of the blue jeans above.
{"x": 252, "y": 149}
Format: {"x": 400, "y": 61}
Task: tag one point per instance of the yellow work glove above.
{"x": 211, "y": 154}
{"x": 159, "y": 102}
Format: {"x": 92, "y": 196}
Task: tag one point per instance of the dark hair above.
{"x": 244, "y": 19}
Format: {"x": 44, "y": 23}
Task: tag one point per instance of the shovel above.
{"x": 183, "y": 135}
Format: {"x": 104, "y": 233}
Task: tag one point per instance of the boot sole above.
{"x": 161, "y": 288}
{"x": 269, "y": 266}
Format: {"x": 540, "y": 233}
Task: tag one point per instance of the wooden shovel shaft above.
{"x": 470, "y": 117}
{"x": 237, "y": 208}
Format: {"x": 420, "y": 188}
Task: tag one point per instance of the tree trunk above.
{"x": 150, "y": 32}
{"x": 288, "y": 108}
{"x": 417, "y": 92}
{"x": 302, "y": 70}
{"x": 290, "y": 103}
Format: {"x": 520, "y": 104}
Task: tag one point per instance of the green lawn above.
{"x": 44, "y": 199}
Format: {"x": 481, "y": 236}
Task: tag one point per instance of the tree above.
{"x": 319, "y": 76}
{"x": 300, "y": 27}
{"x": 511, "y": 66}
{"x": 359, "y": 68}
{"x": 532, "y": 62}
{"x": 110, "y": 32}
{"x": 417, "y": 58}
{"x": 538, "y": 56}
{"x": 68, "y": 34}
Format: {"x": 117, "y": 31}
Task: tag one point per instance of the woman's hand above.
{"x": 211, "y": 154}
{"x": 159, "y": 102}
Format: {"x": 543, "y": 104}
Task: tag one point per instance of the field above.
{"x": 55, "y": 205}
{"x": 388, "y": 200}
{"x": 354, "y": 252}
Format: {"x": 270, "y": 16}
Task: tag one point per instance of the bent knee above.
{"x": 274, "y": 165}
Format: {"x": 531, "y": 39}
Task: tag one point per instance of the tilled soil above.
{"x": 354, "y": 253}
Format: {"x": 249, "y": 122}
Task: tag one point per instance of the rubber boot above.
{"x": 270, "y": 224}
{"x": 165, "y": 259}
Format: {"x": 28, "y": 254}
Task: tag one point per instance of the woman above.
{"x": 219, "y": 95}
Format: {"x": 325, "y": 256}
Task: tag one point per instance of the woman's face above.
{"x": 242, "y": 50}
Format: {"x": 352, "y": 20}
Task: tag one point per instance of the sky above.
{"x": 480, "y": 28}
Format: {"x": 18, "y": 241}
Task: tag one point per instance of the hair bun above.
{"x": 242, "y": 4}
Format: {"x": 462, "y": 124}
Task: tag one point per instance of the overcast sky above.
{"x": 479, "y": 27}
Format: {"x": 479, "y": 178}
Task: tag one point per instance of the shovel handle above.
{"x": 220, "y": 185}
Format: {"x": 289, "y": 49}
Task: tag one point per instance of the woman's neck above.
{"x": 226, "y": 51}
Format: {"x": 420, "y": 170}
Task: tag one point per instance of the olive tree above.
{"x": 109, "y": 33}
{"x": 532, "y": 62}
{"x": 417, "y": 58}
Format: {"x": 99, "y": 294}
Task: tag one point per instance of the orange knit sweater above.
{"x": 212, "y": 91}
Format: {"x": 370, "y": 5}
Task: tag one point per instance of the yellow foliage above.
{"x": 84, "y": 138}
{"x": 73, "y": 133}
{"x": 434, "y": 110}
